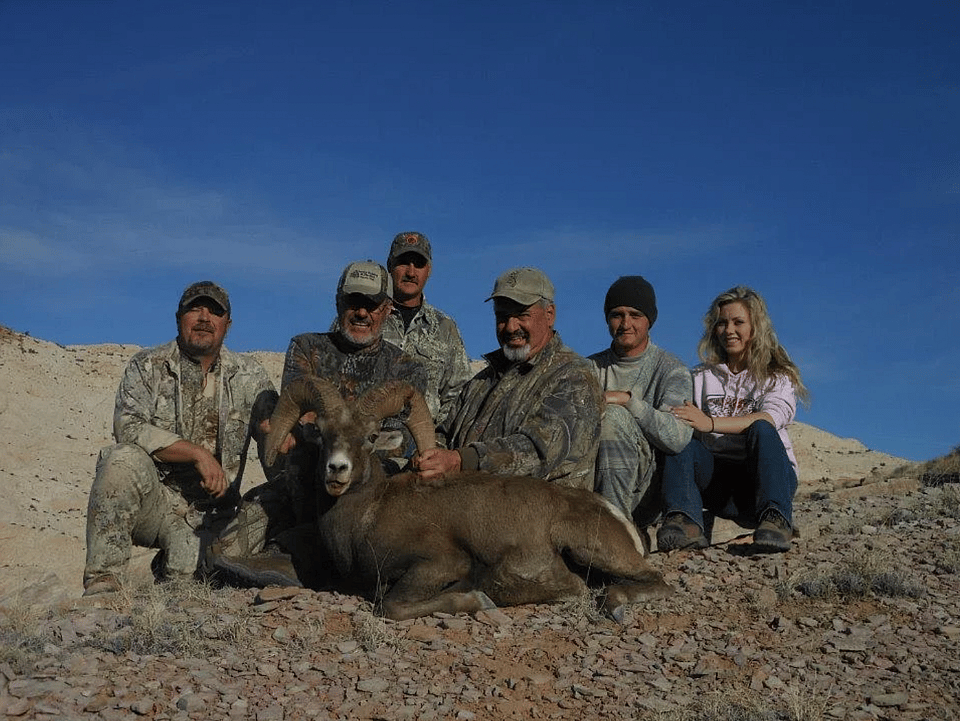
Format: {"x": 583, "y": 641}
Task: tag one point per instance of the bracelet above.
{"x": 713, "y": 424}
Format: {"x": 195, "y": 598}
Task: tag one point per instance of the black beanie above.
{"x": 635, "y": 292}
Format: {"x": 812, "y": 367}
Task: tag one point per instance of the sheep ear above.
{"x": 387, "y": 440}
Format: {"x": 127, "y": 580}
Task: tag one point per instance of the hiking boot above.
{"x": 678, "y": 533}
{"x": 259, "y": 570}
{"x": 774, "y": 534}
{"x": 98, "y": 585}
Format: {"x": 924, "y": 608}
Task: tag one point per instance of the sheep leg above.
{"x": 439, "y": 584}
{"x": 530, "y": 576}
{"x": 444, "y": 602}
{"x": 602, "y": 540}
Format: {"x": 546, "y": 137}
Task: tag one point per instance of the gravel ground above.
{"x": 857, "y": 621}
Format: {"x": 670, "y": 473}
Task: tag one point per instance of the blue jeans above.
{"x": 695, "y": 479}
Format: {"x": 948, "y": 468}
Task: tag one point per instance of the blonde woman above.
{"x": 740, "y": 463}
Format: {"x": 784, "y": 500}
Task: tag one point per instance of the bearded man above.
{"x": 535, "y": 409}
{"x": 269, "y": 541}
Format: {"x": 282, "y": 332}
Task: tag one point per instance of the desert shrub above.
{"x": 945, "y": 469}
{"x": 949, "y": 559}
{"x": 858, "y": 578}
{"x": 942, "y": 502}
{"x": 948, "y": 502}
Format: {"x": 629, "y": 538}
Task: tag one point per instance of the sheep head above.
{"x": 349, "y": 433}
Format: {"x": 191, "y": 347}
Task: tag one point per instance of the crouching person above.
{"x": 182, "y": 426}
{"x": 642, "y": 384}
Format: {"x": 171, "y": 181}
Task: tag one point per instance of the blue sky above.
{"x": 810, "y": 150}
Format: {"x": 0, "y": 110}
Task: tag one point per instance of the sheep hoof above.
{"x": 484, "y": 602}
{"x": 619, "y": 614}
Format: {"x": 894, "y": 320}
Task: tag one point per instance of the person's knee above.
{"x": 126, "y": 454}
{"x": 617, "y": 423}
{"x": 686, "y": 456}
{"x": 125, "y": 468}
{"x": 761, "y": 428}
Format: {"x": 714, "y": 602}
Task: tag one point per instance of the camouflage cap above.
{"x": 368, "y": 278}
{"x": 204, "y": 289}
{"x": 410, "y": 242}
{"x": 523, "y": 285}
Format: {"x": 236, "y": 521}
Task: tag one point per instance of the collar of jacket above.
{"x": 422, "y": 315}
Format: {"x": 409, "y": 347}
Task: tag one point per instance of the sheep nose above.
{"x": 336, "y": 468}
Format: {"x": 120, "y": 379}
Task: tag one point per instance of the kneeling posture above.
{"x": 465, "y": 542}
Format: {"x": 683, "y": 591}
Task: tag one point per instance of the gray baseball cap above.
{"x": 523, "y": 285}
{"x": 368, "y": 278}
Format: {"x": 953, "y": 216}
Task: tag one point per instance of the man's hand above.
{"x": 289, "y": 442}
{"x": 617, "y": 398}
{"x": 212, "y": 477}
{"x": 435, "y": 463}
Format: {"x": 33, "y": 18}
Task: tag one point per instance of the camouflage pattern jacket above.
{"x": 150, "y": 409}
{"x": 434, "y": 339}
{"x": 540, "y": 417}
{"x": 353, "y": 371}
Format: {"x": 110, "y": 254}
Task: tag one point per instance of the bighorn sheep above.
{"x": 466, "y": 543}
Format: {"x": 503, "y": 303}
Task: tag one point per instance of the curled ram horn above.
{"x": 302, "y": 395}
{"x": 391, "y": 397}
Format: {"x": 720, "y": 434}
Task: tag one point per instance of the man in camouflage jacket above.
{"x": 270, "y": 540}
{"x": 182, "y": 424}
{"x": 536, "y": 408}
{"x": 422, "y": 330}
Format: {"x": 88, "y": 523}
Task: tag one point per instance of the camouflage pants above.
{"x": 130, "y": 505}
{"x": 625, "y": 466}
{"x": 286, "y": 500}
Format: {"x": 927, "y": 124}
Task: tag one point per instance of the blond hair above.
{"x": 766, "y": 359}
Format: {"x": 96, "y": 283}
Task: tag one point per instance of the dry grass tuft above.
{"x": 735, "y": 705}
{"x": 23, "y": 635}
{"x": 585, "y": 607}
{"x": 181, "y": 618}
{"x": 807, "y": 704}
{"x": 371, "y": 631}
{"x": 743, "y": 704}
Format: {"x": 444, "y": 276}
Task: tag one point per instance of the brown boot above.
{"x": 270, "y": 568}
{"x": 678, "y": 533}
{"x": 98, "y": 585}
{"x": 774, "y": 534}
